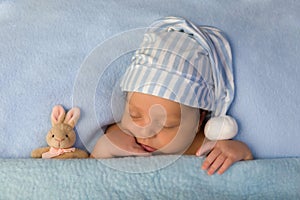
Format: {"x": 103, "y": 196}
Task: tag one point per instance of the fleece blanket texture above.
{"x": 114, "y": 179}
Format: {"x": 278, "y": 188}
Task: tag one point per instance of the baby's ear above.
{"x": 72, "y": 117}
{"x": 58, "y": 115}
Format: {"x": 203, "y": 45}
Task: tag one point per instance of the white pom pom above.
{"x": 220, "y": 128}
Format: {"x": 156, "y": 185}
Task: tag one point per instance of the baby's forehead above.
{"x": 140, "y": 102}
{"x": 139, "y": 98}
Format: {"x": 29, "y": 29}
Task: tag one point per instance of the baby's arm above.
{"x": 116, "y": 143}
{"x": 224, "y": 153}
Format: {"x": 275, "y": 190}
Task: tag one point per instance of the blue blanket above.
{"x": 115, "y": 179}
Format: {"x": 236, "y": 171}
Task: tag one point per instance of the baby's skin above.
{"x": 152, "y": 125}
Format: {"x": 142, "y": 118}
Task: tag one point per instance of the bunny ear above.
{"x": 72, "y": 117}
{"x": 58, "y": 115}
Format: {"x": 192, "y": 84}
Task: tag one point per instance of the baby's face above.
{"x": 159, "y": 125}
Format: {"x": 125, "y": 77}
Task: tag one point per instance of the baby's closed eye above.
{"x": 135, "y": 116}
{"x": 170, "y": 126}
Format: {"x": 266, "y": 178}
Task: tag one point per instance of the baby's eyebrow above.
{"x": 133, "y": 106}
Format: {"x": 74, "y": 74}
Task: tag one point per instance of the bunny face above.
{"x": 62, "y": 134}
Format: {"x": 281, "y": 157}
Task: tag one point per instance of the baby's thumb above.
{"x": 206, "y": 147}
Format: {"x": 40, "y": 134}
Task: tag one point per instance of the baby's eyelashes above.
{"x": 170, "y": 127}
{"x": 135, "y": 116}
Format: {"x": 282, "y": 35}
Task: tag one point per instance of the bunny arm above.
{"x": 78, "y": 153}
{"x": 37, "y": 153}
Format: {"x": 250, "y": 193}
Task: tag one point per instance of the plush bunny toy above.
{"x": 61, "y": 136}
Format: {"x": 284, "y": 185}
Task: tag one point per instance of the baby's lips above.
{"x": 148, "y": 148}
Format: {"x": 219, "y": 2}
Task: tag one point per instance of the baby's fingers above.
{"x": 216, "y": 164}
{"x": 227, "y": 163}
{"x": 212, "y": 156}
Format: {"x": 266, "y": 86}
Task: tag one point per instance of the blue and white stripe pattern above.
{"x": 183, "y": 63}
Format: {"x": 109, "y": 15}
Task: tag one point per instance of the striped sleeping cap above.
{"x": 183, "y": 63}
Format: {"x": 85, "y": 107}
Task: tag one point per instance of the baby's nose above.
{"x": 146, "y": 132}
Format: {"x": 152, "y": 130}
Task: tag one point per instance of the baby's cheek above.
{"x": 168, "y": 135}
{"x": 125, "y": 121}
{"x": 175, "y": 142}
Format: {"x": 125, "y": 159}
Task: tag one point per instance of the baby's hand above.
{"x": 116, "y": 143}
{"x": 223, "y": 154}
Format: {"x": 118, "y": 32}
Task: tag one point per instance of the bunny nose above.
{"x": 59, "y": 140}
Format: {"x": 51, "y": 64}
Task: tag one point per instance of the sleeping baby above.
{"x": 178, "y": 88}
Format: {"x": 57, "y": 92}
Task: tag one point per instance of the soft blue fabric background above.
{"x": 43, "y": 45}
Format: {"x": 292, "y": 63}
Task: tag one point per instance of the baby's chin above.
{"x": 169, "y": 151}
{"x": 176, "y": 147}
